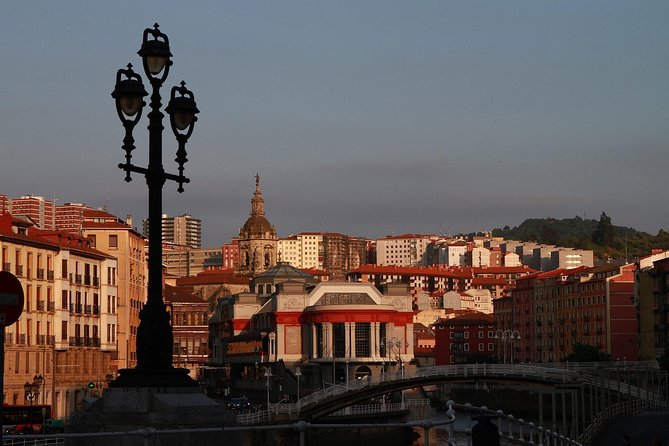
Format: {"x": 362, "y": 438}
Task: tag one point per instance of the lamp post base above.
{"x": 175, "y": 377}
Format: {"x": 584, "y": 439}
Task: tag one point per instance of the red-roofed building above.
{"x": 116, "y": 237}
{"x": 70, "y": 217}
{"x": 467, "y": 338}
{"x": 554, "y": 310}
{"x": 67, "y": 331}
{"x": 190, "y": 328}
{"x": 434, "y": 279}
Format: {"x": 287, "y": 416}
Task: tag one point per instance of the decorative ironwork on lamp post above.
{"x": 154, "y": 335}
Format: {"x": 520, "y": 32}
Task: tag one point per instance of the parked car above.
{"x": 241, "y": 403}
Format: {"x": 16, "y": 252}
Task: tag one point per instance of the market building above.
{"x": 329, "y": 331}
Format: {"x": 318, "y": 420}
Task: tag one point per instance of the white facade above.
{"x": 403, "y": 250}
{"x": 480, "y": 257}
{"x": 456, "y": 254}
{"x": 302, "y": 251}
{"x": 511, "y": 259}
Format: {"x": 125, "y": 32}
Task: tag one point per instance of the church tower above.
{"x": 257, "y": 239}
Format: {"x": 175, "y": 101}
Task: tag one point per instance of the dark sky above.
{"x": 361, "y": 117}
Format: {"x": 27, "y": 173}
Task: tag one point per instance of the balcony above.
{"x": 6, "y": 266}
{"x": 40, "y": 273}
{"x": 78, "y": 308}
{"x": 51, "y": 306}
{"x": 18, "y": 271}
{"x": 9, "y": 338}
{"x": 76, "y": 341}
{"x": 77, "y": 279}
{"x": 96, "y": 309}
{"x": 40, "y": 305}
{"x": 21, "y": 339}
{"x": 96, "y": 281}
{"x": 49, "y": 274}
{"x": 29, "y": 273}
{"x": 87, "y": 280}
{"x": 41, "y": 339}
{"x": 87, "y": 309}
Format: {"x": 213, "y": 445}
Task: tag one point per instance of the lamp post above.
{"x": 38, "y": 380}
{"x": 509, "y": 335}
{"x": 268, "y": 375}
{"x": 154, "y": 335}
{"x": 298, "y": 374}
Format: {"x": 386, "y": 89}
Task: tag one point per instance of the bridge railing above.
{"x": 463, "y": 370}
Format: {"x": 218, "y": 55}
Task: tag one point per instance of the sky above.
{"x": 362, "y": 117}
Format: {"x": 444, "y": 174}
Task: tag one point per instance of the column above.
{"x": 314, "y": 349}
{"x": 351, "y": 326}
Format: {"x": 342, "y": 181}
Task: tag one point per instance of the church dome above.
{"x": 257, "y": 226}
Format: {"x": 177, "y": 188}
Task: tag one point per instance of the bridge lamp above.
{"x": 268, "y": 375}
{"x": 298, "y": 374}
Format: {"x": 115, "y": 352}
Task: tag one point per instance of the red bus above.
{"x": 25, "y": 420}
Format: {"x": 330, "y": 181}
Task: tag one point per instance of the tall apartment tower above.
{"x": 70, "y": 216}
{"x": 180, "y": 230}
{"x": 38, "y": 209}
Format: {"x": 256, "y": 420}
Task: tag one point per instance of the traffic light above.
{"x": 91, "y": 385}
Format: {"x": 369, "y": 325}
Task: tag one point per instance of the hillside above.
{"x": 604, "y": 238}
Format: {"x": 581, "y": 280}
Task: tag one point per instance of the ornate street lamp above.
{"x": 154, "y": 335}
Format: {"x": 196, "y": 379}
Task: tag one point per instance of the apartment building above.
{"x": 467, "y": 338}
{"x": 70, "y": 216}
{"x": 108, "y": 234}
{"x": 651, "y": 295}
{"x": 182, "y": 261}
{"x": 304, "y": 250}
{"x": 403, "y": 250}
{"x": 67, "y": 331}
{"x": 554, "y": 310}
{"x": 190, "y": 329}
{"x": 38, "y": 209}
{"x": 179, "y": 230}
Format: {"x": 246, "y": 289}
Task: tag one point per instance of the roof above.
{"x": 178, "y": 295}
{"x": 284, "y": 271}
{"x": 469, "y": 317}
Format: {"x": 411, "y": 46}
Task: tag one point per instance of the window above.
{"x": 113, "y": 241}
{"x": 362, "y": 339}
{"x": 92, "y": 239}
{"x": 63, "y": 332}
{"x": 339, "y": 339}
{"x": 481, "y": 346}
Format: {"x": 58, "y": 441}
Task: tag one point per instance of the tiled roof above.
{"x": 468, "y": 318}
{"x": 180, "y": 295}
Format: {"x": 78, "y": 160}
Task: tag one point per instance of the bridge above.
{"x": 579, "y": 392}
{"x": 640, "y": 381}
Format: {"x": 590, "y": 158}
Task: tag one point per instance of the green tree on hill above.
{"x": 605, "y": 233}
